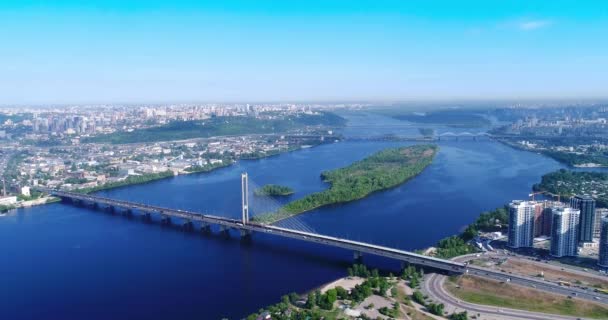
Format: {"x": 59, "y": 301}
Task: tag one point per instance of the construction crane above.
{"x": 555, "y": 196}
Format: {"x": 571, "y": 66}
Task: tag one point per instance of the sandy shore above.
{"x": 346, "y": 283}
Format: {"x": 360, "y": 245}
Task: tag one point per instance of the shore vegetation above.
{"x": 273, "y": 190}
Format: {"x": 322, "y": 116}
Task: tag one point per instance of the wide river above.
{"x": 64, "y": 262}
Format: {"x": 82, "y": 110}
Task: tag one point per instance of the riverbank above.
{"x": 567, "y": 183}
{"x": 573, "y": 160}
{"x": 380, "y": 171}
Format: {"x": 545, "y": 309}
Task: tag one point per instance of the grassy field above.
{"x": 489, "y": 292}
{"x": 522, "y": 267}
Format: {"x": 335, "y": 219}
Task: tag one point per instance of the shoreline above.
{"x": 164, "y": 176}
{"x": 548, "y": 155}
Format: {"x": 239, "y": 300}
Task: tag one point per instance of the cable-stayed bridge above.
{"x": 295, "y": 230}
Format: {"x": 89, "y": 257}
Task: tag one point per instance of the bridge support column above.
{"x": 188, "y": 226}
{"x": 165, "y": 220}
{"x": 245, "y": 233}
{"x": 146, "y": 216}
{"x": 358, "y": 256}
{"x": 224, "y": 230}
{"x": 128, "y": 213}
{"x": 205, "y": 228}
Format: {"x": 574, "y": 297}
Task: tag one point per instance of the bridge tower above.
{"x": 245, "y": 197}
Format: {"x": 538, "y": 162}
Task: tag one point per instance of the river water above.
{"x": 64, "y": 262}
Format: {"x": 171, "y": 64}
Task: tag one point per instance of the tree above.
{"x": 342, "y": 293}
{"x": 436, "y": 309}
{"x": 418, "y": 297}
{"x": 319, "y": 297}
{"x": 459, "y": 316}
{"x": 311, "y": 301}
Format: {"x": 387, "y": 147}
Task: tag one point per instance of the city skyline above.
{"x": 154, "y": 52}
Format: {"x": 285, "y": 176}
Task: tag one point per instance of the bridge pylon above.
{"x": 245, "y": 198}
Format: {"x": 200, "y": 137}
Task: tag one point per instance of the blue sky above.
{"x": 182, "y": 51}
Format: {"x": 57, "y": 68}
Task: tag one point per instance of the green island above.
{"x": 273, "y": 190}
{"x": 382, "y": 170}
{"x": 567, "y": 183}
{"x": 219, "y": 126}
{"x": 209, "y": 167}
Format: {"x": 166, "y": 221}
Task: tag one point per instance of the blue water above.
{"x": 64, "y": 262}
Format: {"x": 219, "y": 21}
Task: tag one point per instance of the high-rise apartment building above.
{"x": 603, "y": 259}
{"x": 586, "y": 205}
{"x": 564, "y": 232}
{"x": 597, "y": 224}
{"x": 521, "y": 224}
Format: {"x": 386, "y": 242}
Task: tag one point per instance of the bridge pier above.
{"x": 357, "y": 256}
{"x": 188, "y": 226}
{"x": 146, "y": 216}
{"x": 245, "y": 233}
{"x": 165, "y": 220}
{"x": 224, "y": 230}
{"x": 128, "y": 213}
{"x": 205, "y": 228}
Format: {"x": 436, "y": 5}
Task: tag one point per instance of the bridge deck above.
{"x": 357, "y": 246}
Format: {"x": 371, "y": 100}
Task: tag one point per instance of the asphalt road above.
{"x": 539, "y": 284}
{"x": 433, "y": 286}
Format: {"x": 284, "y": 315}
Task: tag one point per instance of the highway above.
{"x": 433, "y": 286}
{"x": 537, "y": 283}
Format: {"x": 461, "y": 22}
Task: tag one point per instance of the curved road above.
{"x": 433, "y": 285}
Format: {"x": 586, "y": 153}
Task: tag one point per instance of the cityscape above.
{"x": 320, "y": 160}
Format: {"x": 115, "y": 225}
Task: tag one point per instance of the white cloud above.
{"x": 533, "y": 24}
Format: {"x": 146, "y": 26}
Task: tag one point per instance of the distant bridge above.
{"x": 422, "y": 138}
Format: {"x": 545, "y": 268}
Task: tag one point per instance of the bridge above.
{"x": 428, "y": 138}
{"x": 192, "y": 220}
